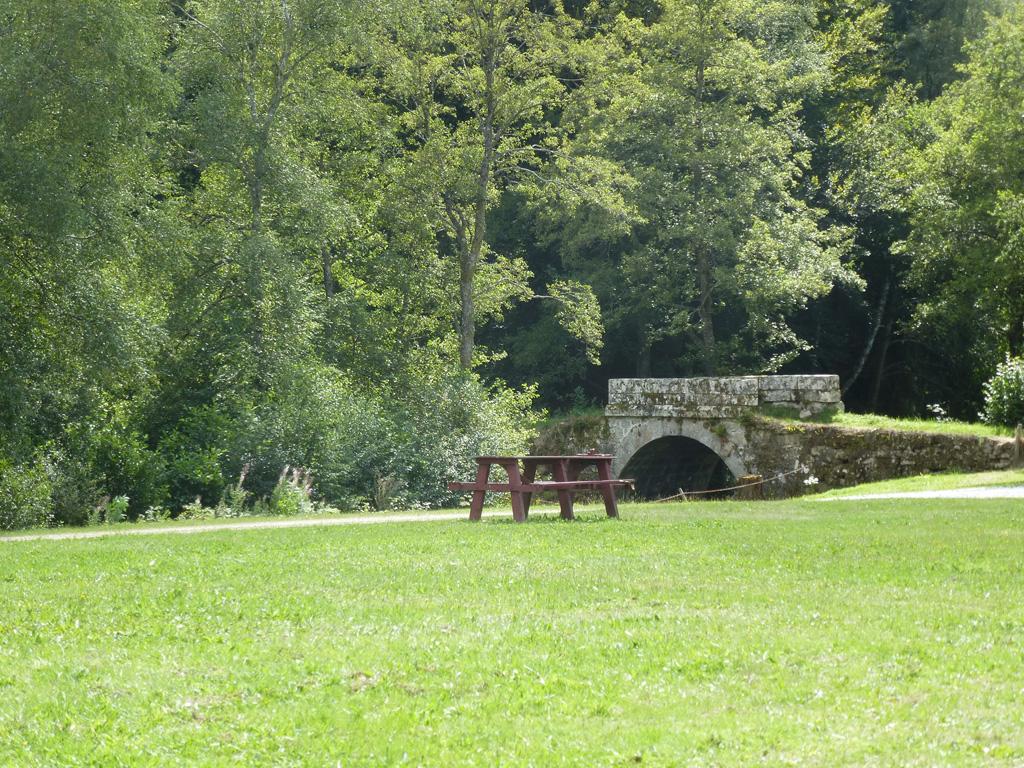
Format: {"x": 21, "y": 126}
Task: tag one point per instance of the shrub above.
{"x": 1004, "y": 394}
{"x": 74, "y": 487}
{"x": 24, "y": 496}
{"x": 443, "y": 421}
{"x": 290, "y": 496}
{"x": 195, "y": 510}
{"x": 104, "y": 455}
{"x": 127, "y": 465}
{"x": 394, "y": 444}
{"x": 235, "y": 502}
{"x": 155, "y": 514}
{"x": 193, "y": 454}
{"x": 117, "y": 510}
{"x": 318, "y": 420}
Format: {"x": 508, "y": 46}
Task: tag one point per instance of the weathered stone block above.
{"x": 819, "y": 383}
{"x": 779, "y": 396}
{"x": 818, "y": 396}
{"x": 694, "y": 396}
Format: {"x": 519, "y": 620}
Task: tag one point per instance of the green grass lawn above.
{"x": 875, "y": 421}
{"x": 725, "y": 634}
{"x": 937, "y": 482}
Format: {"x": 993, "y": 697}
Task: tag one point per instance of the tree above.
{"x": 246, "y": 215}
{"x": 479, "y": 79}
{"x": 82, "y": 94}
{"x": 967, "y": 201}
{"x": 255, "y": 188}
{"x": 305, "y": 295}
{"x": 929, "y": 38}
{"x": 866, "y": 124}
{"x": 702, "y": 108}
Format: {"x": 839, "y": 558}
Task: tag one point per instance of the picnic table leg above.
{"x": 515, "y": 484}
{"x": 476, "y": 508}
{"x": 561, "y": 473}
{"x": 604, "y": 472}
{"x": 529, "y": 475}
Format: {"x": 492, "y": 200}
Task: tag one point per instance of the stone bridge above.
{"x": 652, "y": 421}
{"x": 704, "y": 433}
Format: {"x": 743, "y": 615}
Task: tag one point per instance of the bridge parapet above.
{"x": 722, "y": 397}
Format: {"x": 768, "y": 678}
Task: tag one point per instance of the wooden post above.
{"x": 515, "y": 487}
{"x": 560, "y": 472}
{"x": 604, "y": 472}
{"x": 751, "y": 488}
{"x": 529, "y": 475}
{"x": 483, "y": 472}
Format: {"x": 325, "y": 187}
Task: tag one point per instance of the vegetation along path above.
{"x": 976, "y": 486}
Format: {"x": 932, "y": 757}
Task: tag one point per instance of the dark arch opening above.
{"x": 667, "y": 465}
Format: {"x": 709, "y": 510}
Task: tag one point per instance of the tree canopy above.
{"x": 370, "y": 240}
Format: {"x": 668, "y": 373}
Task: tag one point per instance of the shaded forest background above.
{"x": 370, "y": 240}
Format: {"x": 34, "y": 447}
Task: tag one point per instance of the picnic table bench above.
{"x": 522, "y": 484}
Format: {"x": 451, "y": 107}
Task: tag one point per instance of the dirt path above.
{"x": 989, "y": 492}
{"x": 993, "y": 492}
{"x": 418, "y": 517}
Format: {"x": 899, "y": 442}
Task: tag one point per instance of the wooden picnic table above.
{"x": 522, "y": 483}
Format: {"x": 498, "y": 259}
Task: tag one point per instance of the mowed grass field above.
{"x": 945, "y": 481}
{"x": 715, "y": 634}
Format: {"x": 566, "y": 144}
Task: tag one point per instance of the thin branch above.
{"x": 221, "y": 45}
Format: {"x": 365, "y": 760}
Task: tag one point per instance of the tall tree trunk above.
{"x": 705, "y": 278}
{"x": 470, "y": 258}
{"x": 325, "y": 259}
{"x": 815, "y": 357}
{"x": 643, "y": 357}
{"x": 705, "y": 312}
{"x": 883, "y": 355}
{"x": 467, "y": 322}
{"x": 879, "y": 314}
{"x": 1015, "y": 335}
{"x": 256, "y": 201}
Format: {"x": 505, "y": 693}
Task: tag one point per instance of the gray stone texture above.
{"x": 840, "y": 456}
{"x": 721, "y": 398}
{"x": 730, "y": 417}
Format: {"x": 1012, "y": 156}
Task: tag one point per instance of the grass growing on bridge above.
{"x": 886, "y": 633}
{"x": 876, "y": 421}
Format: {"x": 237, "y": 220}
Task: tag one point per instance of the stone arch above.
{"x": 675, "y": 463}
{"x": 629, "y": 437}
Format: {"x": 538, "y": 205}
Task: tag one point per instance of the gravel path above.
{"x": 990, "y": 492}
{"x": 419, "y": 517}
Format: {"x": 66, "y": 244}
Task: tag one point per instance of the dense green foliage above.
{"x": 366, "y": 240}
{"x": 1004, "y": 394}
{"x": 24, "y": 496}
{"x": 726, "y": 634}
